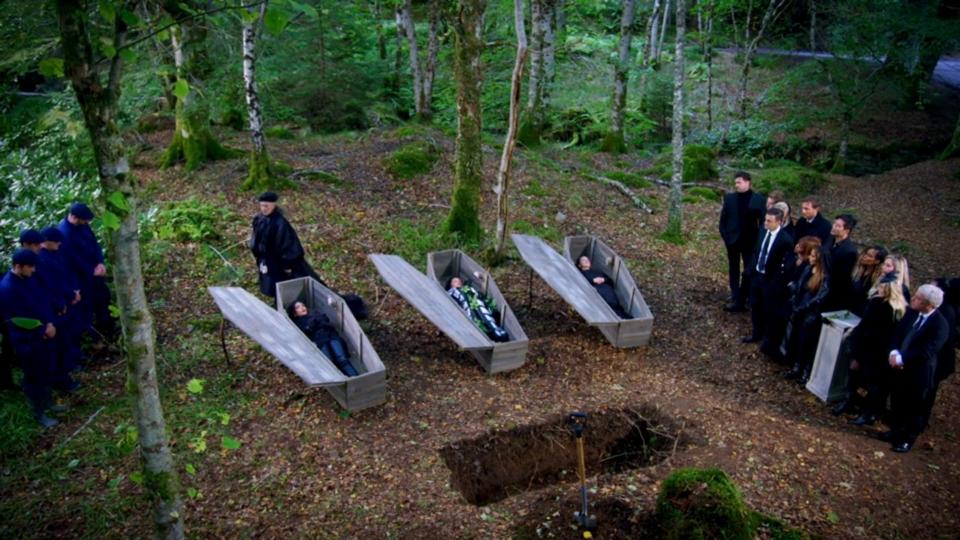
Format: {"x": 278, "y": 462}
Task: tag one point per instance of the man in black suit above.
{"x": 812, "y": 223}
{"x": 841, "y": 256}
{"x": 740, "y": 219}
{"x": 917, "y": 342}
{"x": 769, "y": 270}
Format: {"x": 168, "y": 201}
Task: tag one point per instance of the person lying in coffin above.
{"x": 480, "y": 309}
{"x": 321, "y": 332}
{"x": 604, "y": 286}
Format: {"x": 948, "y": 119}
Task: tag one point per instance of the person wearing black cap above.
{"x": 84, "y": 256}
{"x": 29, "y": 320}
{"x": 276, "y": 247}
{"x": 64, "y": 290}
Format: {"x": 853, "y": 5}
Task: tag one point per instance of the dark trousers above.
{"x": 38, "y": 359}
{"x": 767, "y": 313}
{"x": 909, "y": 405}
{"x": 739, "y": 281}
{"x": 334, "y": 349}
{"x": 7, "y": 363}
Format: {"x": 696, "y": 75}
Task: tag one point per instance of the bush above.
{"x": 412, "y": 159}
{"x": 703, "y": 194}
{"x": 699, "y": 163}
{"x": 575, "y": 126}
{"x": 189, "y": 220}
{"x": 793, "y": 179}
{"x": 702, "y": 504}
{"x": 629, "y": 179}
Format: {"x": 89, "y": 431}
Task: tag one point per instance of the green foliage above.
{"x": 792, "y": 178}
{"x": 412, "y": 240}
{"x": 188, "y": 220}
{"x": 279, "y": 132}
{"x": 699, "y": 163}
{"x": 17, "y": 426}
{"x": 546, "y": 230}
{"x": 534, "y": 189}
{"x": 702, "y": 504}
{"x": 576, "y": 125}
{"x": 412, "y": 159}
{"x": 46, "y": 163}
{"x": 632, "y": 180}
{"x": 698, "y": 194}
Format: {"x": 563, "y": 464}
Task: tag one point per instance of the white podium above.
{"x": 828, "y": 379}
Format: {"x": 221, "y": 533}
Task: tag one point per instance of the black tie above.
{"x": 907, "y": 339}
{"x": 762, "y": 262}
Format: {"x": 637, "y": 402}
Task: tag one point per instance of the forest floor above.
{"x": 308, "y": 469}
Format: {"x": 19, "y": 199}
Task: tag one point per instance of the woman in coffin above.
{"x": 480, "y": 309}
{"x": 321, "y": 332}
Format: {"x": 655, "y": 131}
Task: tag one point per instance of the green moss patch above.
{"x": 629, "y": 179}
{"x": 699, "y": 163}
{"x": 279, "y": 132}
{"x": 702, "y": 503}
{"x": 412, "y": 159}
{"x": 793, "y": 179}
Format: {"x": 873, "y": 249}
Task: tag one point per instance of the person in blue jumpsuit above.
{"x": 24, "y": 300}
{"x": 64, "y": 290}
{"x": 85, "y": 258}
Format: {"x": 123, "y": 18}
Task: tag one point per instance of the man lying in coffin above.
{"x": 604, "y": 286}
{"x": 481, "y": 309}
{"x": 321, "y": 332}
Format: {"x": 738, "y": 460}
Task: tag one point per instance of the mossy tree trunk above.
{"x": 98, "y": 101}
{"x": 464, "y": 218}
{"x": 542, "y": 69}
{"x": 503, "y": 173}
{"x": 653, "y": 30}
{"x": 614, "y": 142}
{"x": 193, "y": 142}
{"x": 674, "y": 230}
{"x": 658, "y": 50}
{"x": 705, "y": 32}
{"x": 423, "y": 73}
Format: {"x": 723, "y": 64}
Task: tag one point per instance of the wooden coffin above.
{"x": 633, "y": 332}
{"x": 562, "y": 275}
{"x": 431, "y": 300}
{"x": 444, "y": 265}
{"x": 275, "y": 332}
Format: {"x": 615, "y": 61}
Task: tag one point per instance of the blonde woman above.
{"x": 897, "y": 264}
{"x": 870, "y": 344}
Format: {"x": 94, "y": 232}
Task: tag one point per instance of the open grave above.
{"x": 500, "y": 464}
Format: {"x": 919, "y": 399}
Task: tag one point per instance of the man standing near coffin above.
{"x": 740, "y": 220}
{"x": 276, "y": 247}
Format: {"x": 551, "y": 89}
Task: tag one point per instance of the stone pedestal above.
{"x": 828, "y": 379}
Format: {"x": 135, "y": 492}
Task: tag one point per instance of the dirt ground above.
{"x": 307, "y": 470}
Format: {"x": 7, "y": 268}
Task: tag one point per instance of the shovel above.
{"x": 578, "y": 423}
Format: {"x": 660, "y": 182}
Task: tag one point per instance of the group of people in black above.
{"x": 793, "y": 272}
{"x": 54, "y": 294}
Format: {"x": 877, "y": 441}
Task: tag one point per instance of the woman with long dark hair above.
{"x": 807, "y": 303}
{"x": 866, "y": 273}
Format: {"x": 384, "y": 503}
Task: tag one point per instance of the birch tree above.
{"x": 98, "y": 94}
{"x": 423, "y": 73}
{"x": 674, "y": 230}
{"x": 503, "y": 173}
{"x": 652, "y": 31}
{"x": 658, "y": 51}
{"x": 614, "y": 142}
{"x": 193, "y": 142}
{"x": 467, "y": 25}
{"x": 260, "y": 174}
{"x": 542, "y": 70}
{"x": 705, "y": 14}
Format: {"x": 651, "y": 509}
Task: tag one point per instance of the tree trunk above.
{"x": 381, "y": 37}
{"x": 614, "y": 141}
{"x": 531, "y": 126}
{"x": 193, "y": 141}
{"x": 663, "y": 31}
{"x": 840, "y": 165}
{"x": 503, "y": 173}
{"x": 559, "y": 21}
{"x": 774, "y": 9}
{"x": 406, "y": 20}
{"x": 433, "y": 49}
{"x": 674, "y": 230}
{"x": 813, "y": 26}
{"x": 653, "y": 30}
{"x": 398, "y": 55}
{"x": 464, "y": 219}
{"x": 98, "y": 101}
{"x": 260, "y": 176}
{"x": 549, "y": 58}
{"x": 705, "y": 30}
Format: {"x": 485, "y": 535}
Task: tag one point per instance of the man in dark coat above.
{"x": 64, "y": 289}
{"x": 740, "y": 219}
{"x": 842, "y": 256}
{"x": 812, "y": 222}
{"x": 26, "y": 314}
{"x": 770, "y": 266}
{"x": 947, "y": 359}
{"x": 916, "y": 345}
{"x": 276, "y": 247}
{"x": 84, "y": 256}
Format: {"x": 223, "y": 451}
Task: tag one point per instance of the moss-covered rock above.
{"x": 698, "y": 194}
{"x": 702, "y": 504}
{"x": 793, "y": 179}
{"x": 412, "y": 159}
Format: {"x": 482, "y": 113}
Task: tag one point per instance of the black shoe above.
{"x": 885, "y": 436}
{"x": 734, "y": 308}
{"x": 804, "y": 377}
{"x": 902, "y": 448}
{"x": 841, "y": 408}
{"x": 751, "y": 339}
{"x": 792, "y": 374}
{"x": 864, "y": 420}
